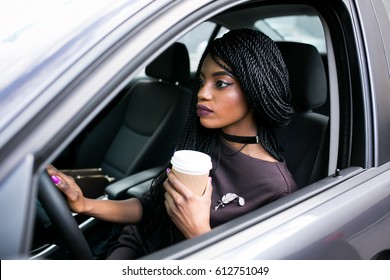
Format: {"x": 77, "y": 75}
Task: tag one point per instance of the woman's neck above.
{"x": 247, "y": 129}
{"x": 248, "y": 145}
{"x": 240, "y": 139}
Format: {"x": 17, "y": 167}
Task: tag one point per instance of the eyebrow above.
{"x": 220, "y": 73}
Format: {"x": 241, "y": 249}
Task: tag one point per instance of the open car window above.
{"x": 93, "y": 145}
{"x": 95, "y": 157}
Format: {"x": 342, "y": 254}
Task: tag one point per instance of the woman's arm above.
{"x": 118, "y": 211}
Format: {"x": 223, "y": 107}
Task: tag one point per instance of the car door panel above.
{"x": 316, "y": 227}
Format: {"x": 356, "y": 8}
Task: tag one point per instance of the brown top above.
{"x": 254, "y": 181}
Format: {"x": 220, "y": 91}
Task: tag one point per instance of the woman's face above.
{"x": 221, "y": 102}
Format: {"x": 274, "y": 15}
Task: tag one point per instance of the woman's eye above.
{"x": 200, "y": 82}
{"x": 222, "y": 84}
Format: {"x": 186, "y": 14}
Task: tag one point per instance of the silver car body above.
{"x": 49, "y": 95}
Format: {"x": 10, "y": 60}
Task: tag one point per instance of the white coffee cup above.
{"x": 192, "y": 169}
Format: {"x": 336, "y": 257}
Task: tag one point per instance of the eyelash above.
{"x": 222, "y": 84}
{"x": 219, "y": 84}
{"x": 200, "y": 83}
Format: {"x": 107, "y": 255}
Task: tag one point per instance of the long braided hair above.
{"x": 256, "y": 62}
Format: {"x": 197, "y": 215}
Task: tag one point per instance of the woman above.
{"x": 242, "y": 95}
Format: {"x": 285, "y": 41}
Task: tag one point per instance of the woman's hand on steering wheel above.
{"x": 68, "y": 186}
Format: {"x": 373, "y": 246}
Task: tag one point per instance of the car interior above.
{"x": 118, "y": 154}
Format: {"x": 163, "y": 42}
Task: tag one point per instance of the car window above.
{"x": 300, "y": 28}
{"x": 386, "y": 3}
{"x": 196, "y": 41}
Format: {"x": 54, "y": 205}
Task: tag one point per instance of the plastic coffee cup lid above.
{"x": 191, "y": 162}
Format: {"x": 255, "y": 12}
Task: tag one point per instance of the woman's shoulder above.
{"x": 291, "y": 186}
{"x": 248, "y": 170}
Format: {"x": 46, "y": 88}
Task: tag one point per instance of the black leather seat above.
{"x": 306, "y": 138}
{"x": 141, "y": 132}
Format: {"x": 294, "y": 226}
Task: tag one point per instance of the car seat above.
{"x": 306, "y": 138}
{"x": 141, "y": 132}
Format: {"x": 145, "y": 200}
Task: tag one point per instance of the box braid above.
{"x": 256, "y": 62}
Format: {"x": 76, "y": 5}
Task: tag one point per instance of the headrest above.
{"x": 172, "y": 65}
{"x": 307, "y": 74}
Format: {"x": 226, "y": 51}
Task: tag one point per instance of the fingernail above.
{"x": 168, "y": 170}
{"x": 55, "y": 179}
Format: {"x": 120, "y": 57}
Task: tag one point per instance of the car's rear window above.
{"x": 296, "y": 28}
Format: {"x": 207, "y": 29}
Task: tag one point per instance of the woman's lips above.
{"x": 203, "y": 110}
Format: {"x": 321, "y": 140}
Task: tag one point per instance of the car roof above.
{"x": 40, "y": 40}
{"x": 247, "y": 16}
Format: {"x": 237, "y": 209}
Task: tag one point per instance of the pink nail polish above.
{"x": 55, "y": 179}
{"x": 168, "y": 170}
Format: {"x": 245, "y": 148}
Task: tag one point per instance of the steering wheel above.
{"x": 59, "y": 213}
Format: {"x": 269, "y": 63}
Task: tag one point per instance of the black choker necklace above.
{"x": 241, "y": 139}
